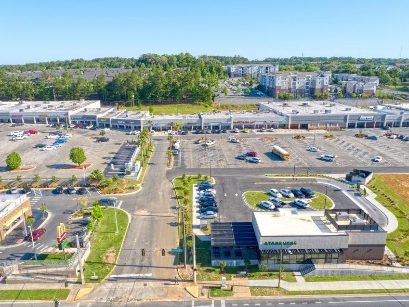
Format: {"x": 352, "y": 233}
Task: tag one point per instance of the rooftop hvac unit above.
{"x": 306, "y": 104}
{"x": 294, "y": 111}
{"x": 316, "y": 111}
{"x": 332, "y": 104}
{"x": 37, "y": 105}
{"x": 357, "y": 221}
{"x": 342, "y": 216}
{"x": 21, "y": 102}
{"x": 49, "y": 106}
{"x": 21, "y": 110}
{"x": 28, "y": 106}
{"x": 327, "y": 111}
{"x": 285, "y": 104}
{"x": 348, "y": 109}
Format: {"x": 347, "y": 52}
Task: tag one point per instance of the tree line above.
{"x": 153, "y": 78}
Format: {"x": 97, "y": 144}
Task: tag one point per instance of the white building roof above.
{"x": 286, "y": 223}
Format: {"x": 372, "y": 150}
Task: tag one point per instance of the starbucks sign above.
{"x": 279, "y": 243}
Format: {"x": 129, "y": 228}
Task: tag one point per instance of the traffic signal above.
{"x": 163, "y": 252}
{"x": 143, "y": 252}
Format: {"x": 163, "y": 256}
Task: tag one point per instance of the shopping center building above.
{"x": 13, "y": 209}
{"x": 295, "y": 237}
{"x": 271, "y": 114}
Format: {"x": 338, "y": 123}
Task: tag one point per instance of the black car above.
{"x": 183, "y": 132}
{"x": 39, "y": 145}
{"x": 25, "y": 190}
{"x": 204, "y": 210}
{"x": 307, "y": 192}
{"x": 58, "y": 190}
{"x": 207, "y": 201}
{"x": 206, "y": 205}
{"x": 206, "y": 198}
{"x": 108, "y": 201}
{"x": 82, "y": 191}
{"x": 297, "y": 193}
{"x": 71, "y": 190}
{"x": 103, "y": 139}
{"x": 204, "y": 187}
{"x": 12, "y": 191}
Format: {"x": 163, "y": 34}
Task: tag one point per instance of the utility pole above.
{"x": 194, "y": 258}
{"x": 80, "y": 259}
{"x": 294, "y": 173}
{"x": 281, "y": 263}
{"x": 184, "y": 239}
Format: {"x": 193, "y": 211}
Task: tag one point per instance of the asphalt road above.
{"x": 153, "y": 226}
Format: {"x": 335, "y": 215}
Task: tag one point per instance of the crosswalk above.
{"x": 39, "y": 247}
{"x": 37, "y": 196}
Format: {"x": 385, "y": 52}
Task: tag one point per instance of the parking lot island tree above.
{"x": 77, "y": 155}
{"x": 13, "y": 160}
{"x": 96, "y": 175}
{"x": 43, "y": 210}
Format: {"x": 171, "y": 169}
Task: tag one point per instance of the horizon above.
{"x": 48, "y": 31}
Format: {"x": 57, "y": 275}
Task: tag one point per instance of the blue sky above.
{"x": 41, "y": 30}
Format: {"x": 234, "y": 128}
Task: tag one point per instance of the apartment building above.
{"x": 355, "y": 77}
{"x": 299, "y": 84}
{"x": 250, "y": 70}
{"x": 359, "y": 88}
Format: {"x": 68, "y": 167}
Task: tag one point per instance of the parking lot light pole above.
{"x": 32, "y": 241}
{"x": 80, "y": 259}
{"x": 116, "y": 220}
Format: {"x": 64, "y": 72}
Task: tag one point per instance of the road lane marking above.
{"x": 131, "y": 275}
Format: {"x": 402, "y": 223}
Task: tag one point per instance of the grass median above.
{"x": 321, "y": 202}
{"x": 392, "y": 192}
{"x": 39, "y": 294}
{"x": 253, "y": 198}
{"x": 105, "y": 245}
{"x": 273, "y": 291}
{"x": 356, "y": 277}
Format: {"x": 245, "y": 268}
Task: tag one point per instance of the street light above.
{"x": 32, "y": 241}
{"x": 116, "y": 220}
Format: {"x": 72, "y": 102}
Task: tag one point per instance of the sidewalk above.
{"x": 334, "y": 285}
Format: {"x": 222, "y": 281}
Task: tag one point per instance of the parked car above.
{"x": 19, "y": 137}
{"x": 297, "y": 193}
{"x": 267, "y": 205}
{"x": 210, "y": 208}
{"x": 108, "y": 201}
{"x": 299, "y": 203}
{"x": 36, "y": 234}
{"x": 103, "y": 139}
{"x": 251, "y": 154}
{"x": 58, "y": 190}
{"x": 377, "y": 159}
{"x": 25, "y": 190}
{"x": 82, "y": 191}
{"x": 12, "y": 191}
{"x": 372, "y": 137}
{"x": 328, "y": 158}
{"x": 47, "y": 148}
{"x": 52, "y": 136}
{"x": 275, "y": 193}
{"x": 253, "y": 159}
{"x": 287, "y": 193}
{"x": 307, "y": 192}
{"x": 235, "y": 130}
{"x": 276, "y": 201}
{"x": 133, "y": 132}
{"x": 208, "y": 215}
{"x": 313, "y": 149}
{"x": 241, "y": 157}
{"x": 71, "y": 190}
{"x": 39, "y": 145}
{"x": 31, "y": 131}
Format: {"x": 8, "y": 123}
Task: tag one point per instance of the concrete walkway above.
{"x": 334, "y": 285}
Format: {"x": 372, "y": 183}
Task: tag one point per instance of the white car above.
{"x": 393, "y": 136}
{"x": 267, "y": 205}
{"x": 133, "y": 132}
{"x": 208, "y": 215}
{"x": 253, "y": 159}
{"x": 207, "y": 192}
{"x": 287, "y": 193}
{"x": 67, "y": 135}
{"x": 313, "y": 149}
{"x": 377, "y": 159}
{"x": 328, "y": 158}
{"x": 52, "y": 136}
{"x": 19, "y": 137}
{"x": 47, "y": 148}
{"x": 210, "y": 143}
{"x": 15, "y": 133}
{"x": 275, "y": 193}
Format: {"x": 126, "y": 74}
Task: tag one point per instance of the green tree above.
{"x": 43, "y": 210}
{"x": 36, "y": 178}
{"x": 54, "y": 179}
{"x": 13, "y": 160}
{"x": 96, "y": 175}
{"x": 19, "y": 179}
{"x": 102, "y": 132}
{"x": 77, "y": 155}
{"x": 74, "y": 179}
{"x": 30, "y": 220}
{"x": 222, "y": 266}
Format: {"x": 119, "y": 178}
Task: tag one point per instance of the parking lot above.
{"x": 230, "y": 191}
{"x": 55, "y": 162}
{"x": 349, "y": 150}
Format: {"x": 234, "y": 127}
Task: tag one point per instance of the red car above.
{"x": 37, "y": 234}
{"x": 31, "y": 131}
{"x": 251, "y": 154}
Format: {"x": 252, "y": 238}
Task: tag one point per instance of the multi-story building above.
{"x": 359, "y": 88}
{"x": 355, "y": 77}
{"x": 300, "y": 84}
{"x": 250, "y": 70}
{"x": 14, "y": 208}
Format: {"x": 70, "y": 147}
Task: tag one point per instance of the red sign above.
{"x": 62, "y": 237}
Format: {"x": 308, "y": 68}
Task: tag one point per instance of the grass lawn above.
{"x": 321, "y": 202}
{"x": 40, "y": 294}
{"x": 392, "y": 191}
{"x": 357, "y": 277}
{"x": 185, "y": 108}
{"x": 264, "y": 291}
{"x": 254, "y": 197}
{"x": 205, "y": 272}
{"x": 105, "y": 244}
{"x": 217, "y": 292}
